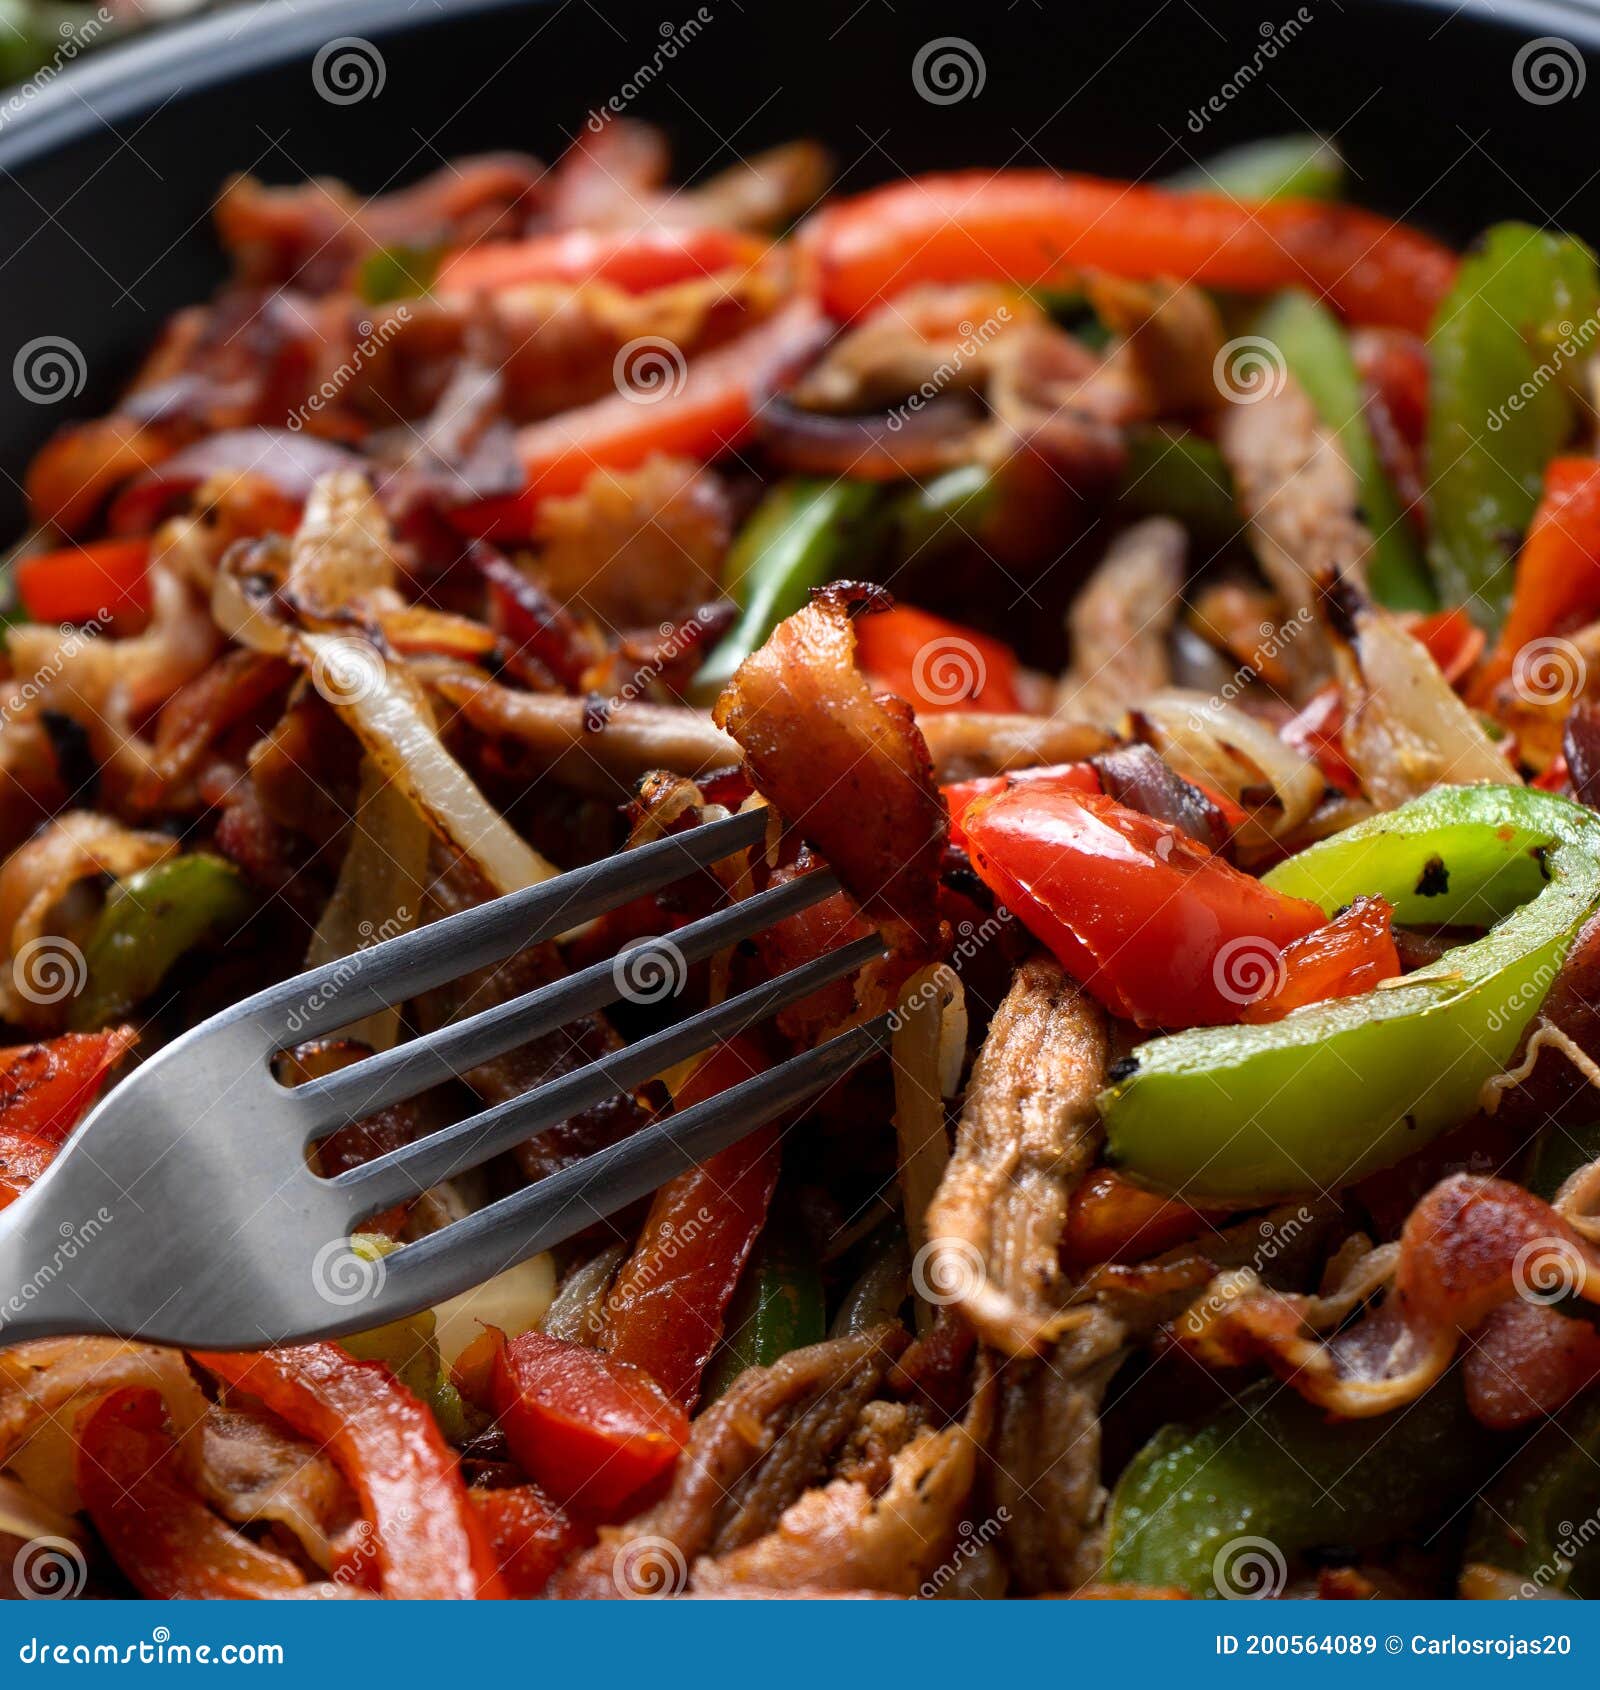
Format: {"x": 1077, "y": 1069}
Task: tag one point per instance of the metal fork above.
{"x": 184, "y": 1209}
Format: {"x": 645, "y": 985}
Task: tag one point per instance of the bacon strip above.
{"x": 1468, "y": 1249}
{"x": 849, "y": 771}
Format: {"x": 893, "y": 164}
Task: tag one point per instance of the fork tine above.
{"x": 468, "y": 1251}
{"x": 340, "y": 992}
{"x": 364, "y": 1087}
{"x": 403, "y": 1173}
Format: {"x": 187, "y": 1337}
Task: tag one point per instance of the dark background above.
{"x": 107, "y": 177}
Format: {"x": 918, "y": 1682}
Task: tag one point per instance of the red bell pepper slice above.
{"x": 83, "y": 583}
{"x": 961, "y": 794}
{"x": 936, "y": 665}
{"x": 635, "y": 260}
{"x": 430, "y": 1541}
{"x": 709, "y": 411}
{"x": 1317, "y": 733}
{"x": 529, "y": 1535}
{"x": 158, "y": 1530}
{"x": 1352, "y": 954}
{"x": 1031, "y": 226}
{"x": 591, "y": 1430}
{"x": 1162, "y": 931}
{"x": 666, "y": 1307}
{"x": 1109, "y": 1219}
{"x": 23, "y": 1158}
{"x": 1454, "y": 641}
{"x": 45, "y": 1088}
{"x": 1558, "y": 571}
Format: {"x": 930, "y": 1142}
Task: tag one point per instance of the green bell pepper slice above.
{"x": 1508, "y": 350}
{"x": 777, "y": 1307}
{"x": 1230, "y": 1507}
{"x": 1184, "y": 476}
{"x": 802, "y": 535}
{"x": 1523, "y": 1523}
{"x": 935, "y": 514}
{"x": 150, "y": 920}
{"x": 1316, "y": 351}
{"x": 1337, "y": 1090}
{"x": 1307, "y": 167}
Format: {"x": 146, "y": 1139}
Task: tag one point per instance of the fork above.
{"x": 185, "y": 1209}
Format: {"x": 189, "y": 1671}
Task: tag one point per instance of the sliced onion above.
{"x": 1223, "y": 747}
{"x": 290, "y": 461}
{"x": 927, "y": 1021}
{"x": 44, "y": 1381}
{"x": 379, "y": 891}
{"x": 897, "y": 444}
{"x": 384, "y": 706}
{"x": 1406, "y": 728}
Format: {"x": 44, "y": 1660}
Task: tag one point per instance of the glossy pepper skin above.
{"x": 1506, "y": 371}
{"x": 1142, "y": 914}
{"x": 1226, "y": 1508}
{"x": 1338, "y": 1090}
{"x": 1522, "y": 1523}
{"x": 1317, "y": 351}
{"x": 803, "y": 534}
{"x": 148, "y": 922}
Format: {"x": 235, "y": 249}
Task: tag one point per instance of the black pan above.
{"x": 108, "y": 172}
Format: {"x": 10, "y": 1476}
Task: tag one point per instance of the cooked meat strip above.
{"x": 847, "y": 770}
{"x": 1047, "y": 1456}
{"x": 1028, "y": 1132}
{"x": 1297, "y": 493}
{"x": 751, "y": 1454}
{"x": 637, "y": 547}
{"x": 589, "y": 744}
{"x": 850, "y": 1536}
{"x": 968, "y": 743}
{"x": 1119, "y": 624}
